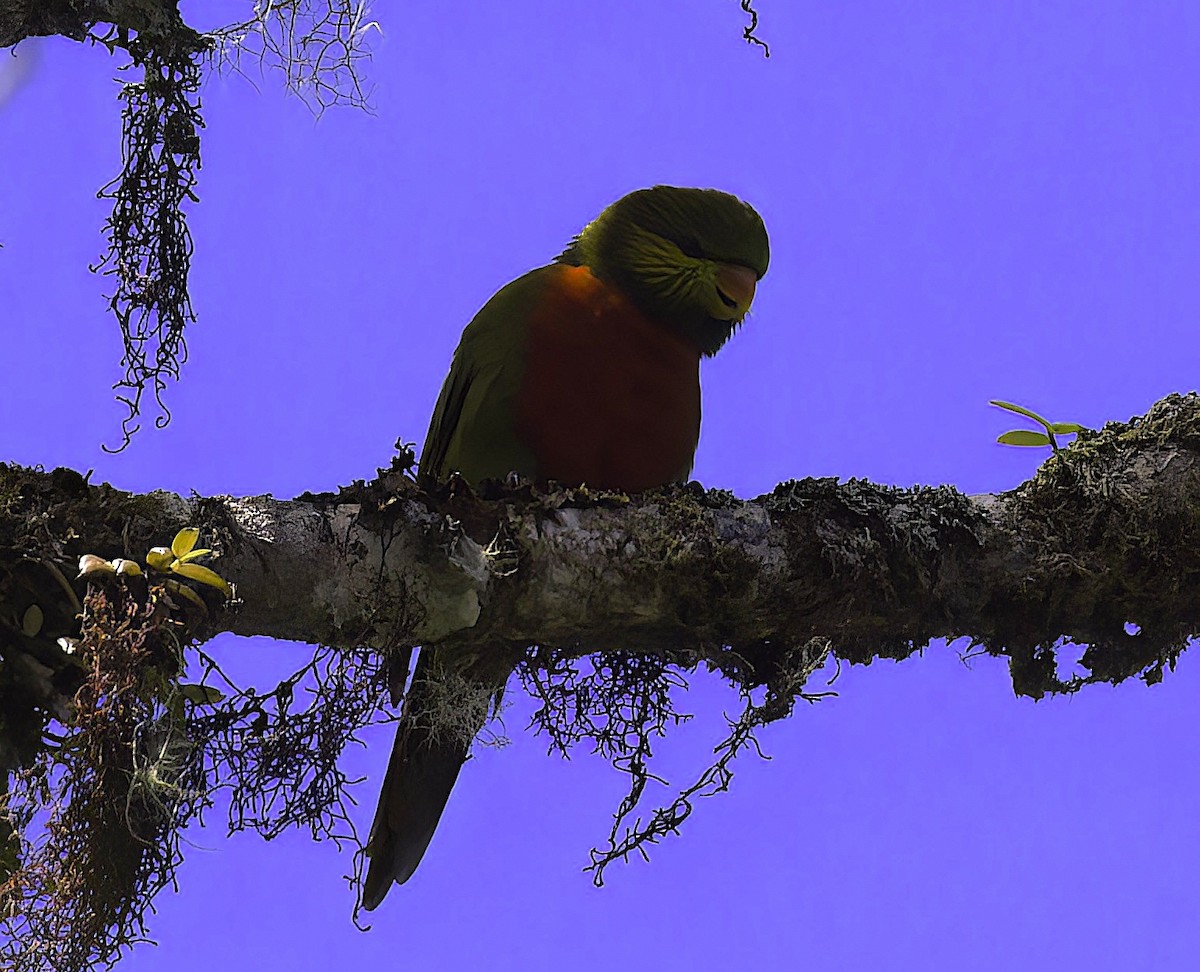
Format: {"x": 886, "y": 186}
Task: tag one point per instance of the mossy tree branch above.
{"x": 1104, "y": 536}
{"x": 76, "y": 19}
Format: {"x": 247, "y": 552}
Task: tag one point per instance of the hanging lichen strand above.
{"x": 149, "y": 245}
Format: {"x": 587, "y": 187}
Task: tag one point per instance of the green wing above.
{"x": 473, "y": 433}
{"x": 473, "y": 427}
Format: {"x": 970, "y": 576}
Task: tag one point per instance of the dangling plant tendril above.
{"x": 112, "y": 797}
{"x": 782, "y": 691}
{"x": 624, "y": 702}
{"x": 748, "y": 34}
{"x": 149, "y": 245}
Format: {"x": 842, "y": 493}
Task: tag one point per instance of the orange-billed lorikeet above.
{"x": 585, "y": 371}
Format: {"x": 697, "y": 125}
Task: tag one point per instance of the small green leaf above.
{"x": 90, "y": 565}
{"x": 1019, "y": 410}
{"x": 1066, "y": 428}
{"x": 160, "y": 558}
{"x": 188, "y": 594}
{"x": 1024, "y": 437}
{"x": 201, "y": 694}
{"x": 202, "y": 574}
{"x": 184, "y": 540}
{"x": 193, "y": 554}
{"x": 31, "y": 623}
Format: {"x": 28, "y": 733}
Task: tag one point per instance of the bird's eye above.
{"x": 726, "y": 299}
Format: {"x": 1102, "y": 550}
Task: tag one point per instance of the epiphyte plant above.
{"x": 1028, "y": 437}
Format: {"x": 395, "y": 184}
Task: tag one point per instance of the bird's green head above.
{"x": 689, "y": 257}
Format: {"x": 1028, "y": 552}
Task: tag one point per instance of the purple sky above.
{"x": 965, "y": 201}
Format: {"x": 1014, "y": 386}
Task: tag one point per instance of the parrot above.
{"x": 583, "y": 372}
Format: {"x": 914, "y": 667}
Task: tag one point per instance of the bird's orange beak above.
{"x": 737, "y": 284}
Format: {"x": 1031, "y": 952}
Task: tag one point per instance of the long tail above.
{"x": 421, "y": 773}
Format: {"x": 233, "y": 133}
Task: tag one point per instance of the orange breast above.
{"x": 610, "y": 397}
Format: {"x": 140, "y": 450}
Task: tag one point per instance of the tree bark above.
{"x": 20, "y": 19}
